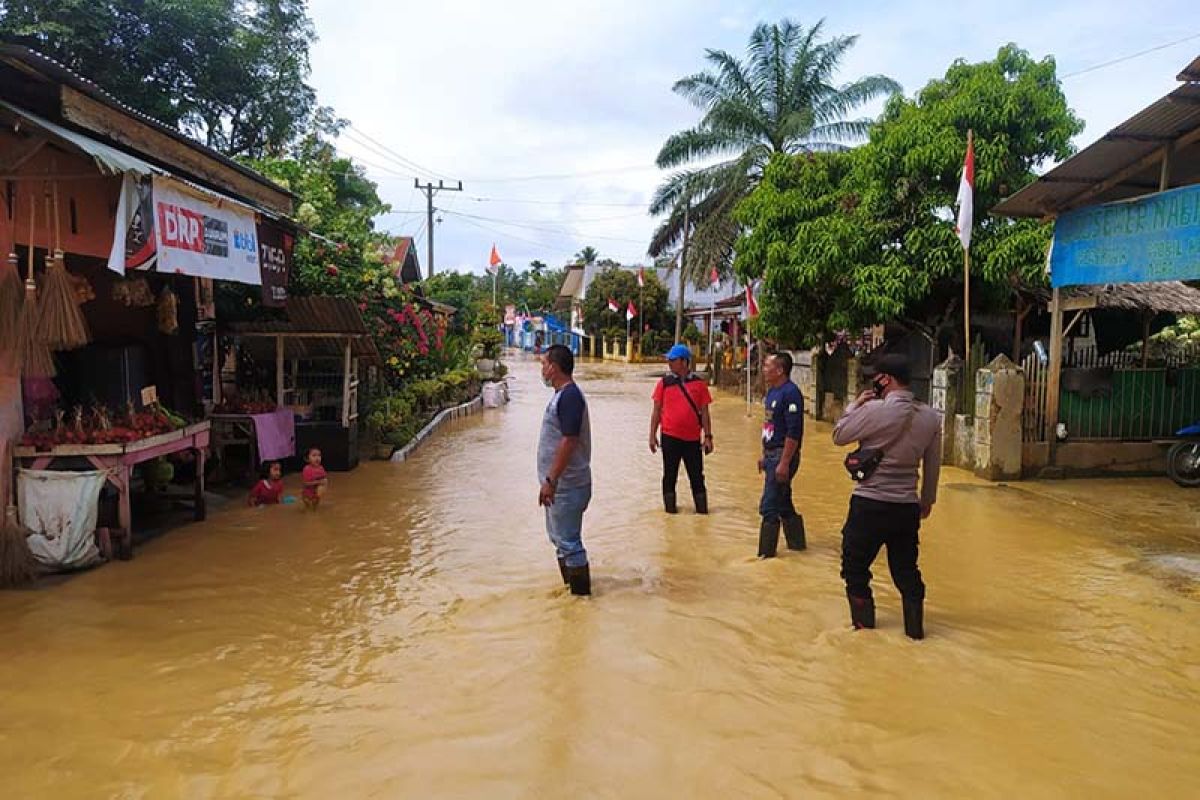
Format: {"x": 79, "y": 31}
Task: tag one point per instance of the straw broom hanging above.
{"x": 36, "y": 361}
{"x": 17, "y": 565}
{"x": 61, "y": 325}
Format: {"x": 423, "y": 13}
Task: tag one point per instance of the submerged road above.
{"x": 412, "y": 639}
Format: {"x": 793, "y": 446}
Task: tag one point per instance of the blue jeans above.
{"x": 564, "y": 523}
{"x": 776, "y": 500}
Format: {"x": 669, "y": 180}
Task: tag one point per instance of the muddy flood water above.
{"x": 412, "y": 639}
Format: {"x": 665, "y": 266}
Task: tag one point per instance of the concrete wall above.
{"x": 1111, "y": 458}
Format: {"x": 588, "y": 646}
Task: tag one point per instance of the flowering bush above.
{"x": 411, "y": 339}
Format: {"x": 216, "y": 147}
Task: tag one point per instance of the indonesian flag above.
{"x": 494, "y": 262}
{"x": 641, "y": 277}
{"x": 612, "y": 306}
{"x": 751, "y": 305}
{"x": 630, "y": 311}
{"x": 966, "y": 195}
{"x": 714, "y": 278}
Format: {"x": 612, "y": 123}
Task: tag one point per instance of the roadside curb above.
{"x": 470, "y": 407}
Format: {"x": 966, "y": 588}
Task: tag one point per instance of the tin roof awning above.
{"x": 109, "y": 160}
{"x": 1126, "y": 162}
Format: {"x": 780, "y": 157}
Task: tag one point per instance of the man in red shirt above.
{"x": 681, "y": 401}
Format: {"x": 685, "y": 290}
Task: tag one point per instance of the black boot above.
{"x": 793, "y": 531}
{"x": 862, "y": 612}
{"x": 580, "y": 580}
{"x": 914, "y": 619}
{"x": 669, "y": 503}
{"x": 701, "y": 499}
{"x": 768, "y": 538}
{"x": 562, "y": 570}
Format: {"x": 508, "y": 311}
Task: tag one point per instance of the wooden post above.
{"x": 1054, "y": 378}
{"x": 346, "y": 387}
{"x": 967, "y": 305}
{"x": 279, "y": 371}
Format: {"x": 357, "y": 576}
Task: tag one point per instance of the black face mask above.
{"x": 878, "y": 386}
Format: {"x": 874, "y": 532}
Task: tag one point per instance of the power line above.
{"x": 559, "y": 231}
{"x": 410, "y": 164}
{"x": 525, "y": 201}
{"x": 527, "y": 240}
{"x": 1130, "y": 57}
{"x": 566, "y": 175}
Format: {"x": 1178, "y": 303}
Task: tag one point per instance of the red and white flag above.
{"x": 966, "y": 195}
{"x": 641, "y": 277}
{"x": 751, "y": 305}
{"x": 714, "y": 278}
{"x": 612, "y": 306}
{"x": 630, "y": 311}
{"x": 494, "y": 262}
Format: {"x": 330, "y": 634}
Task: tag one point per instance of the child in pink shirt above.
{"x": 314, "y": 478}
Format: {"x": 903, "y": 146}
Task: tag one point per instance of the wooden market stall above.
{"x": 139, "y": 222}
{"x": 314, "y": 355}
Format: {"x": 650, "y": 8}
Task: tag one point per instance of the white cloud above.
{"x": 484, "y": 90}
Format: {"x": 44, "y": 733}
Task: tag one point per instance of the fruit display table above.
{"x": 118, "y": 460}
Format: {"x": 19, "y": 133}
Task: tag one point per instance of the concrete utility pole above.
{"x": 429, "y": 189}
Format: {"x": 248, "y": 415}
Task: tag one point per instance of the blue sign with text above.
{"x": 1152, "y": 238}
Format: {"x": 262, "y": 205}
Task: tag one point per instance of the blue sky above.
{"x": 552, "y": 112}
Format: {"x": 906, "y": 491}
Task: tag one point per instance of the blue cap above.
{"x": 679, "y": 351}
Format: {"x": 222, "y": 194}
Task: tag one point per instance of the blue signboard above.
{"x": 1152, "y": 238}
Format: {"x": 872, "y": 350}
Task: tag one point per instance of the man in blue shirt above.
{"x": 783, "y": 429}
{"x": 564, "y": 467}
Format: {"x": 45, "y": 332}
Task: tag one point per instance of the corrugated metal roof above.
{"x": 1191, "y": 72}
{"x": 1126, "y": 157}
{"x": 311, "y": 314}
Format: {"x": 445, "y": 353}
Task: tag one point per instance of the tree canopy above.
{"x": 621, "y": 286}
{"x": 232, "y": 73}
{"x": 843, "y": 240}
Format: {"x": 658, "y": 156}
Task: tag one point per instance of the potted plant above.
{"x": 487, "y": 342}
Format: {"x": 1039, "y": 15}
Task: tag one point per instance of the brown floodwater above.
{"x": 412, "y": 639}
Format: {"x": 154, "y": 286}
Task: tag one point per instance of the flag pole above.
{"x": 967, "y": 303}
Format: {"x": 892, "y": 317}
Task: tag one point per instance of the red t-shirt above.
{"x": 678, "y": 418}
{"x": 266, "y": 493}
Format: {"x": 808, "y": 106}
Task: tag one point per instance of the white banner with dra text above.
{"x": 204, "y": 236}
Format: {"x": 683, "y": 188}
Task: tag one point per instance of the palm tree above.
{"x": 781, "y": 99}
{"x": 587, "y": 256}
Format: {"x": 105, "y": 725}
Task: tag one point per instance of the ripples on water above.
{"x": 412, "y": 639}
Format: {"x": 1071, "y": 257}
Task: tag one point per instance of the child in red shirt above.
{"x": 314, "y": 479}
{"x": 269, "y": 490}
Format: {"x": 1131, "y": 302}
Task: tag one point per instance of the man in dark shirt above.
{"x": 783, "y": 429}
{"x": 564, "y": 467}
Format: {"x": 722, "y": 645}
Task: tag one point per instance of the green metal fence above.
{"x": 1135, "y": 405}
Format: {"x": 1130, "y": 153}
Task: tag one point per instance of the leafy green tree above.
{"x": 541, "y": 288}
{"x": 587, "y": 256}
{"x": 621, "y": 286}
{"x": 338, "y": 202}
{"x": 782, "y": 99}
{"x": 843, "y": 240}
{"x": 233, "y": 73}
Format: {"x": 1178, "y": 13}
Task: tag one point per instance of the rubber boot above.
{"x": 562, "y": 570}
{"x": 580, "y": 580}
{"x": 768, "y": 538}
{"x": 862, "y": 612}
{"x": 914, "y": 619}
{"x": 669, "y": 503}
{"x": 701, "y": 499}
{"x": 793, "y": 531}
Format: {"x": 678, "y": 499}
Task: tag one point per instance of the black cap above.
{"x": 893, "y": 364}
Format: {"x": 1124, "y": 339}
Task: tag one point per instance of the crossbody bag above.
{"x": 862, "y": 463}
